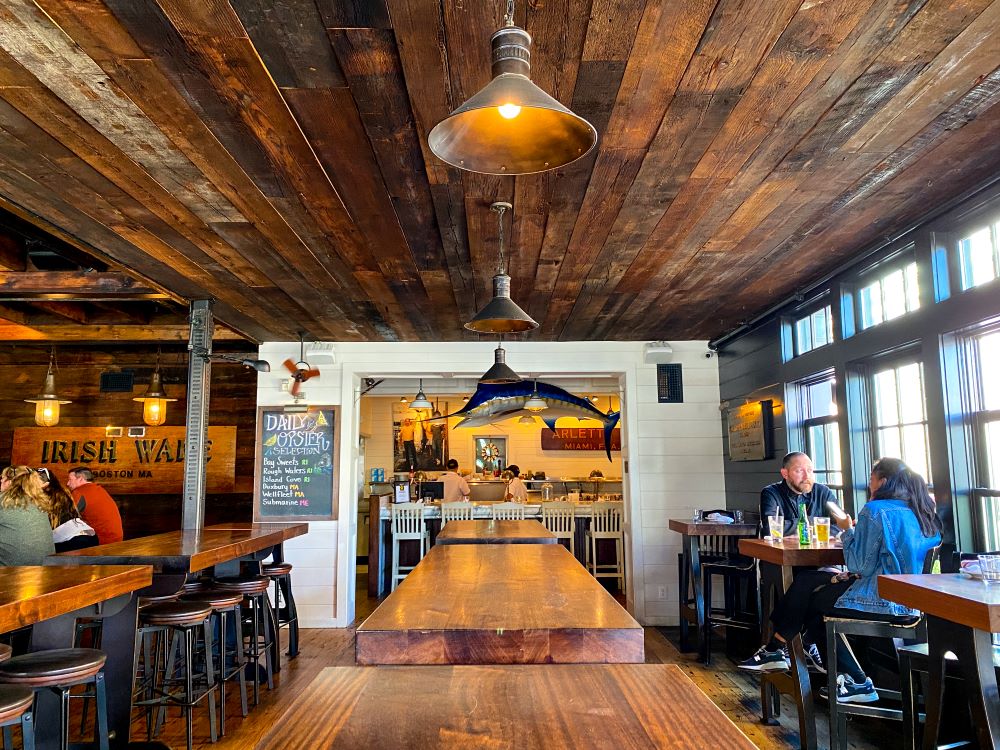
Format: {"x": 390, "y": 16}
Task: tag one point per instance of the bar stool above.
{"x": 281, "y": 574}
{"x": 182, "y": 621}
{"x": 60, "y": 670}
{"x": 458, "y": 511}
{"x": 15, "y": 708}
{"x": 254, "y": 591}
{"x": 407, "y": 524}
{"x": 507, "y": 511}
{"x": 560, "y": 519}
{"x": 606, "y": 523}
{"x": 226, "y": 610}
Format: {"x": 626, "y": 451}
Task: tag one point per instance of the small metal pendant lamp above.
{"x": 500, "y": 373}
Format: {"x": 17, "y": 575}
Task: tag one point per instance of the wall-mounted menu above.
{"x": 296, "y": 470}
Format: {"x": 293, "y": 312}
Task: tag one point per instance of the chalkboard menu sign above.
{"x": 296, "y": 474}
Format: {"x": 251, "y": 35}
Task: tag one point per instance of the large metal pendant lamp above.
{"x": 500, "y": 373}
{"x": 501, "y": 314}
{"x": 154, "y": 400}
{"x": 511, "y": 126}
{"x": 47, "y": 402}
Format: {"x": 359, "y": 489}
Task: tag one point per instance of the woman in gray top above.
{"x": 25, "y": 532}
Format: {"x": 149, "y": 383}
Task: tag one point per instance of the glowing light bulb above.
{"x": 509, "y": 111}
{"x": 47, "y": 413}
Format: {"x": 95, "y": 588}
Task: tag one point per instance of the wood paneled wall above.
{"x": 233, "y": 402}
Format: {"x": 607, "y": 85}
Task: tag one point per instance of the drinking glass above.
{"x": 990, "y": 567}
{"x": 776, "y": 528}
{"x": 822, "y": 526}
{"x": 696, "y": 516}
{"x": 737, "y": 516}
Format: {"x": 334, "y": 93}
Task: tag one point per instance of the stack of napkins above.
{"x": 718, "y": 518}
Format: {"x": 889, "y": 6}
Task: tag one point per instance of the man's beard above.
{"x": 803, "y": 487}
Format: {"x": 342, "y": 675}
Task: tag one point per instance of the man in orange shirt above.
{"x": 96, "y": 506}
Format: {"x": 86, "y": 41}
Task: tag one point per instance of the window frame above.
{"x": 802, "y": 421}
{"x": 877, "y": 274}
{"x": 874, "y": 429}
{"x": 797, "y": 350}
{"x": 964, "y": 268}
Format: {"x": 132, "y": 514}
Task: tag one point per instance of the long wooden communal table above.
{"x": 961, "y": 616}
{"x": 495, "y": 532}
{"x": 778, "y": 560}
{"x": 499, "y": 604}
{"x": 555, "y": 707}
{"x": 692, "y": 532}
{"x": 51, "y": 599}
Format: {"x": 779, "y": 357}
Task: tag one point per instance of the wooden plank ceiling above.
{"x": 272, "y": 154}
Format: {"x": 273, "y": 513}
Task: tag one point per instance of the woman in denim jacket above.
{"x": 894, "y": 532}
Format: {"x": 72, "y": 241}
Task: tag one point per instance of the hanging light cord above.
{"x": 508, "y": 17}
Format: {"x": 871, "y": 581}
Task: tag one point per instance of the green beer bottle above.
{"x": 803, "y": 526}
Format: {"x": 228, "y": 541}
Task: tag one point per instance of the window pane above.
{"x": 911, "y": 393}
{"x": 989, "y": 370}
{"x": 894, "y": 295}
{"x": 915, "y": 448}
{"x": 803, "y": 342}
{"x": 976, "y": 252}
{"x": 871, "y": 305}
{"x": 912, "y": 288}
{"x": 992, "y": 448}
{"x": 833, "y": 441}
{"x": 817, "y": 447}
{"x": 889, "y": 443}
{"x": 886, "y": 411}
{"x": 820, "y": 400}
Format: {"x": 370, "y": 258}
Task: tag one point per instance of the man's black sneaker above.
{"x": 765, "y": 661}
{"x": 849, "y": 691}
{"x": 814, "y": 662}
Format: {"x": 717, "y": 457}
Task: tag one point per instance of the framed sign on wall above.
{"x": 296, "y": 474}
{"x": 751, "y": 431}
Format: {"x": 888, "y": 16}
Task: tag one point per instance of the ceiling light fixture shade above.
{"x": 403, "y": 400}
{"x": 511, "y": 126}
{"x": 526, "y": 419}
{"x": 47, "y": 402}
{"x": 421, "y": 402}
{"x": 500, "y": 372}
{"x": 154, "y": 400}
{"x": 501, "y": 314}
{"x": 536, "y": 403}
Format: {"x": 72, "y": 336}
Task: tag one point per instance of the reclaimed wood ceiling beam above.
{"x": 73, "y": 285}
{"x": 105, "y": 333}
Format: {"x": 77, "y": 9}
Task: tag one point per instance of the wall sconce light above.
{"x": 47, "y": 402}
{"x": 154, "y": 400}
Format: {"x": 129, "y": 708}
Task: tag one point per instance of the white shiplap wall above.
{"x": 674, "y": 450}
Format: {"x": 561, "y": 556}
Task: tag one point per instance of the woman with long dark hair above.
{"x": 69, "y": 531}
{"x": 894, "y": 532}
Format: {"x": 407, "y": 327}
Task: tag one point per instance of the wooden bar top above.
{"x": 789, "y": 552}
{"x": 555, "y": 707}
{"x": 183, "y": 551}
{"x": 499, "y": 604}
{"x": 495, "y": 532}
{"x": 950, "y": 596}
{"x": 30, "y": 594}
{"x": 711, "y": 528}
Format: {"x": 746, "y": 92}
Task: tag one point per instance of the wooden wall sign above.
{"x": 579, "y": 439}
{"x": 296, "y": 470}
{"x": 152, "y": 464}
{"x": 750, "y": 431}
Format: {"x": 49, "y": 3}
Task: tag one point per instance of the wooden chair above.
{"x": 458, "y": 511}
{"x": 507, "y": 512}
{"x": 560, "y": 519}
{"x": 741, "y": 597}
{"x": 606, "y": 522}
{"x": 407, "y": 524}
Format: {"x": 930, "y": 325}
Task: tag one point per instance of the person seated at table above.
{"x": 516, "y": 491}
{"x": 69, "y": 530}
{"x": 25, "y": 533}
{"x": 894, "y": 532}
{"x": 798, "y": 485}
{"x": 456, "y": 489}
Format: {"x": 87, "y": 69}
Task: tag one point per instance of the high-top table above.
{"x": 499, "y": 604}
{"x": 495, "y": 532}
{"x": 690, "y": 573}
{"x": 51, "y": 599}
{"x": 535, "y": 707}
{"x": 778, "y": 560}
{"x": 961, "y": 616}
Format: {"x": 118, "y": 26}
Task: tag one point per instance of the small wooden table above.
{"x": 51, "y": 599}
{"x": 495, "y": 532}
{"x": 961, "y": 616}
{"x": 499, "y": 604}
{"x": 690, "y": 573}
{"x": 550, "y": 707}
{"x": 778, "y": 559}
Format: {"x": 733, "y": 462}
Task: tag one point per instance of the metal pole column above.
{"x": 199, "y": 379}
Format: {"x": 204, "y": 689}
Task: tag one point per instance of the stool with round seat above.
{"x": 226, "y": 609}
{"x": 60, "y": 670}
{"x": 284, "y": 607}
{"x": 182, "y": 621}
{"x": 15, "y": 708}
{"x": 254, "y": 591}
